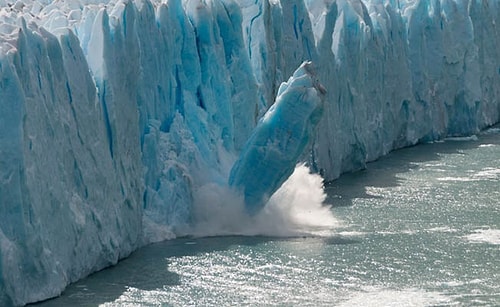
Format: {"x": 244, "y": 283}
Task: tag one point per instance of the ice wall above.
{"x": 401, "y": 72}
{"x": 114, "y": 113}
{"x": 397, "y": 72}
{"x": 70, "y": 202}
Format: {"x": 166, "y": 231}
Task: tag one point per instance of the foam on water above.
{"x": 296, "y": 209}
{"x": 375, "y": 296}
{"x": 463, "y": 138}
{"x": 487, "y": 173}
{"x": 487, "y": 145}
{"x": 491, "y": 236}
{"x": 444, "y": 229}
{"x": 458, "y": 179}
{"x": 490, "y": 131}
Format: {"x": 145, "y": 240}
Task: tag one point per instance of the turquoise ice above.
{"x": 280, "y": 138}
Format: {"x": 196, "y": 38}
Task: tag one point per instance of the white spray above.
{"x": 296, "y": 209}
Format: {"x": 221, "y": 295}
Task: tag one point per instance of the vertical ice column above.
{"x": 281, "y": 136}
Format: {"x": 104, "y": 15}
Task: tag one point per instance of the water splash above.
{"x": 296, "y": 209}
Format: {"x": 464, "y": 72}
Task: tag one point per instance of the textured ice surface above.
{"x": 274, "y": 148}
{"x": 114, "y": 113}
{"x": 70, "y": 202}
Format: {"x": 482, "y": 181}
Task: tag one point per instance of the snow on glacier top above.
{"x": 68, "y": 13}
{"x": 74, "y": 14}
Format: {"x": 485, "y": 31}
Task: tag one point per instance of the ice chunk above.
{"x": 281, "y": 136}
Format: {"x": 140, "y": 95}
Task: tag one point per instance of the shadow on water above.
{"x": 340, "y": 240}
{"x": 343, "y": 190}
{"x": 146, "y": 269}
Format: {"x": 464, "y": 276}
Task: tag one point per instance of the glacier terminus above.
{"x": 114, "y": 115}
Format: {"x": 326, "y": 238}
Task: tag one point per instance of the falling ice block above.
{"x": 281, "y": 136}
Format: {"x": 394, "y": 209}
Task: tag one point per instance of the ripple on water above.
{"x": 375, "y": 296}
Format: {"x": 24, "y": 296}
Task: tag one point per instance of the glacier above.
{"x": 115, "y": 114}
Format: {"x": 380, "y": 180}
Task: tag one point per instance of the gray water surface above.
{"x": 421, "y": 227}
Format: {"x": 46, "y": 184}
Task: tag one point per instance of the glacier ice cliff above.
{"x": 114, "y": 113}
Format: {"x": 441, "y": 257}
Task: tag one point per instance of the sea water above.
{"x": 419, "y": 227}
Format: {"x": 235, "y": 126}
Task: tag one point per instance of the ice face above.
{"x": 69, "y": 206}
{"x": 114, "y": 113}
{"x": 276, "y": 144}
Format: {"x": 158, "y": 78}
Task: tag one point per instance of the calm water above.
{"x": 420, "y": 227}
